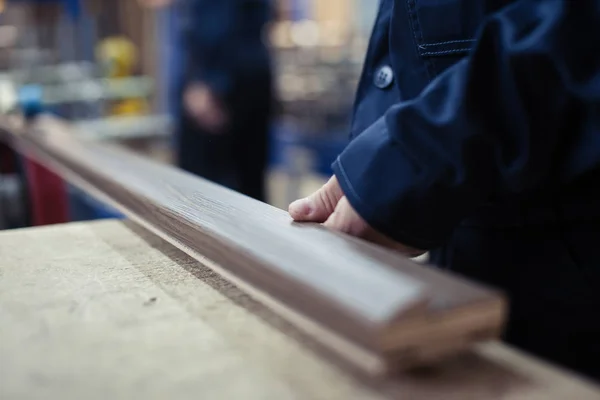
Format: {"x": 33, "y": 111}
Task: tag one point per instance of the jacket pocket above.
{"x": 445, "y": 30}
{"x": 446, "y": 26}
{"x": 459, "y": 47}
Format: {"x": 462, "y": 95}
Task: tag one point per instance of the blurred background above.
{"x": 113, "y": 68}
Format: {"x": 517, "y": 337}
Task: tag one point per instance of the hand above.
{"x": 329, "y": 206}
{"x": 202, "y": 104}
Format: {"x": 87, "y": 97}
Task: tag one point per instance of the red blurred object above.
{"x": 47, "y": 195}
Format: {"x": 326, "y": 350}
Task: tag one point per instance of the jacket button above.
{"x": 383, "y": 77}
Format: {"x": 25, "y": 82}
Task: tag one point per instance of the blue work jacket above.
{"x": 223, "y": 42}
{"x": 476, "y": 110}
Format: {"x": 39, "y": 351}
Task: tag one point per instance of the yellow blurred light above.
{"x": 119, "y": 53}
{"x": 280, "y": 34}
{"x": 305, "y": 33}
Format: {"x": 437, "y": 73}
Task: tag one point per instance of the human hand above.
{"x": 329, "y": 206}
{"x": 202, "y": 104}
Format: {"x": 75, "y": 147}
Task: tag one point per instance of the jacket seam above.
{"x": 415, "y": 26}
{"x": 441, "y": 52}
{"x": 447, "y": 42}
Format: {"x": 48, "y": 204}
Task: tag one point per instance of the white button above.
{"x": 383, "y": 77}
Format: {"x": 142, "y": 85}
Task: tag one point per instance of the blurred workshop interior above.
{"x": 109, "y": 66}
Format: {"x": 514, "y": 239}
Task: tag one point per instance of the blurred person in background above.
{"x": 226, "y": 93}
{"x": 476, "y": 135}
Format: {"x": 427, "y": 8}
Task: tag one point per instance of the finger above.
{"x": 318, "y": 206}
{"x": 345, "y": 219}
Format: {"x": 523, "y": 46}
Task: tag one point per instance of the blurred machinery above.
{"x": 316, "y": 80}
{"x": 119, "y": 56}
{"x": 319, "y": 47}
{"x": 100, "y": 64}
{"x": 47, "y": 54}
{"x": 73, "y": 58}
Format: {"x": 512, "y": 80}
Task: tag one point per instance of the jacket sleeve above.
{"x": 218, "y": 36}
{"x": 488, "y": 127}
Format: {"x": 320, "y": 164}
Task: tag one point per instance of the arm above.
{"x": 490, "y": 126}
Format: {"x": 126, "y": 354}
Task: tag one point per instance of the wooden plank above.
{"x": 106, "y": 310}
{"x": 375, "y": 307}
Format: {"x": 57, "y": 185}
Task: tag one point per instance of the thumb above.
{"x": 318, "y": 206}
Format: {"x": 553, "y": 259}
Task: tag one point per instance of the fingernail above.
{"x": 300, "y": 208}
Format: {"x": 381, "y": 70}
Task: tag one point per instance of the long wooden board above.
{"x": 373, "y": 306}
{"x": 106, "y": 310}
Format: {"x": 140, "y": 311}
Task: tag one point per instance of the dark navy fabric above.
{"x": 485, "y": 149}
{"x": 552, "y": 277}
{"x": 490, "y": 106}
{"x": 223, "y": 41}
{"x": 224, "y": 49}
{"x": 238, "y": 157}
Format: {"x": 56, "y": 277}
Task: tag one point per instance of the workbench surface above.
{"x": 104, "y": 310}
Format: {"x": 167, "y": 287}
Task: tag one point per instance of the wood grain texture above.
{"x": 358, "y": 298}
{"x": 106, "y": 310}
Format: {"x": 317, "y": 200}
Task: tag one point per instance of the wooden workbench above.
{"x": 104, "y": 310}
